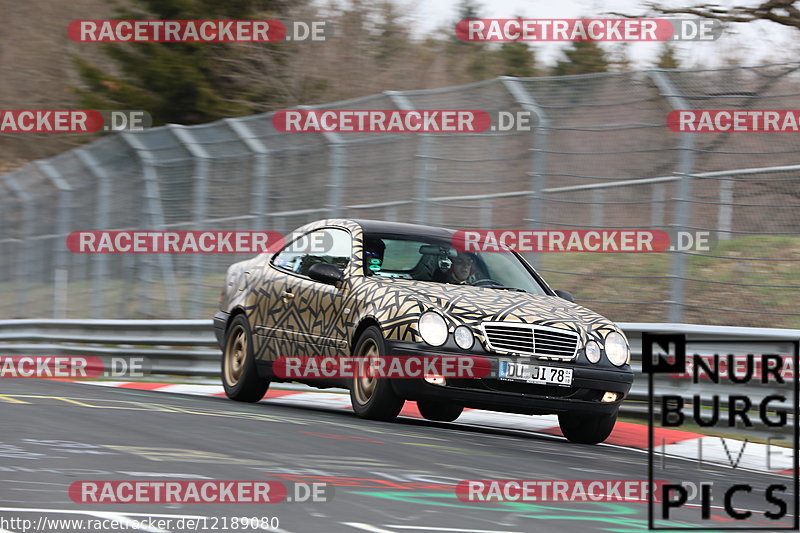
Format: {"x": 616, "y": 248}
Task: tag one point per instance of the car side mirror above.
{"x": 325, "y": 273}
{"x": 564, "y": 294}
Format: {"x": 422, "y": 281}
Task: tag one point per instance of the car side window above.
{"x": 327, "y": 245}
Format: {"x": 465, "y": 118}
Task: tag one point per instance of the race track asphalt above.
{"x": 385, "y": 477}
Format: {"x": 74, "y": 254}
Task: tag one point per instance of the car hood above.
{"x": 472, "y": 305}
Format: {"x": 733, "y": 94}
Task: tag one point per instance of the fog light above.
{"x": 435, "y": 379}
{"x": 610, "y": 397}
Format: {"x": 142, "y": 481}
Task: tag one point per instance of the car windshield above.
{"x": 436, "y": 260}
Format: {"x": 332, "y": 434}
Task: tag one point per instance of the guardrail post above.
{"x": 261, "y": 171}
{"x": 155, "y": 217}
{"x": 199, "y": 208}
{"x": 539, "y": 150}
{"x": 683, "y": 207}
{"x": 100, "y": 262}
{"x": 60, "y": 252}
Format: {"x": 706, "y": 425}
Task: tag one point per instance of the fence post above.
{"x": 485, "y": 211}
{"x": 598, "y": 199}
{"x": 539, "y": 150}
{"x": 725, "y": 216}
{"x": 199, "y": 207}
{"x": 422, "y": 183}
{"x": 155, "y": 217}
{"x": 60, "y": 272}
{"x": 100, "y": 262}
{"x": 657, "y": 202}
{"x": 683, "y": 207}
{"x": 22, "y": 277}
{"x": 259, "y": 205}
{"x": 423, "y": 165}
{"x": 338, "y": 157}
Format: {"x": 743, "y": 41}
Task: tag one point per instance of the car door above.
{"x": 302, "y": 316}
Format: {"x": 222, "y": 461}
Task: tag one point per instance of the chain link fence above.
{"x": 599, "y": 155}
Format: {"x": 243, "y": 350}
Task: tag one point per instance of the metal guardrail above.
{"x": 175, "y": 347}
{"x": 189, "y": 348}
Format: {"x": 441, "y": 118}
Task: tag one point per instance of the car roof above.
{"x": 402, "y": 228}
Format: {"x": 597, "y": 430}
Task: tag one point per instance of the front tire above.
{"x": 239, "y": 375}
{"x": 586, "y": 428}
{"x": 373, "y": 397}
{"x": 439, "y": 411}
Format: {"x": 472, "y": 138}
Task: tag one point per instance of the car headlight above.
{"x": 617, "y": 349}
{"x": 432, "y": 328}
{"x": 592, "y": 352}
{"x": 464, "y": 337}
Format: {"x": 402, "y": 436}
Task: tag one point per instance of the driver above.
{"x": 462, "y": 269}
{"x": 373, "y": 255}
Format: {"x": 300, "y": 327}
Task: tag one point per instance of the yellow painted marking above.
{"x": 131, "y": 405}
{"x": 10, "y": 399}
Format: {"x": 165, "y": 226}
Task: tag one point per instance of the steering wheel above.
{"x": 485, "y": 281}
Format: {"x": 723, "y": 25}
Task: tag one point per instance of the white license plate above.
{"x": 549, "y": 375}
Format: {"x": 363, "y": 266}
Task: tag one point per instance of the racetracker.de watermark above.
{"x": 594, "y": 240}
{"x": 381, "y": 120}
{"x": 559, "y": 490}
{"x": 197, "y": 31}
{"x": 505, "y": 30}
{"x": 71, "y": 366}
{"x": 389, "y": 367}
{"x": 72, "y": 120}
{"x": 198, "y": 492}
{"x": 734, "y": 120}
{"x": 174, "y": 242}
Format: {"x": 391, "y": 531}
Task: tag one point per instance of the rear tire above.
{"x": 439, "y": 411}
{"x": 373, "y": 397}
{"x": 239, "y": 375}
{"x": 586, "y": 428}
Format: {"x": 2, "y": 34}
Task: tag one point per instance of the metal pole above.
{"x": 22, "y": 277}
{"x": 336, "y": 180}
{"x": 657, "y": 205}
{"x": 423, "y": 165}
{"x": 154, "y": 217}
{"x": 598, "y": 197}
{"x": 486, "y": 214}
{"x": 259, "y": 206}
{"x": 422, "y": 179}
{"x": 725, "y": 217}
{"x": 60, "y": 252}
{"x": 539, "y": 150}
{"x": 683, "y": 207}
{"x": 199, "y": 208}
{"x": 102, "y": 210}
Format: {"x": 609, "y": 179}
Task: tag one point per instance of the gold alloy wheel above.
{"x": 235, "y": 355}
{"x": 364, "y": 386}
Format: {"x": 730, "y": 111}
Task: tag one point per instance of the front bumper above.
{"x": 589, "y": 384}
{"x": 220, "y": 325}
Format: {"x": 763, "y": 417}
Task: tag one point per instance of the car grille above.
{"x": 527, "y": 339}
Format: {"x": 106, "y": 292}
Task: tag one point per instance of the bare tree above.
{"x": 784, "y": 12}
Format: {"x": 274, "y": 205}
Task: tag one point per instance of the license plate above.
{"x": 549, "y": 375}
